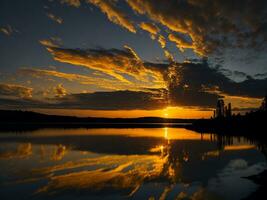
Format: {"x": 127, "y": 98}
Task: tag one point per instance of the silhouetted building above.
{"x": 222, "y": 110}
{"x": 264, "y": 104}
{"x": 228, "y": 111}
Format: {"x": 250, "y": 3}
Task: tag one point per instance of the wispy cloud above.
{"x": 13, "y": 90}
{"x": 113, "y": 62}
{"x": 55, "y": 18}
{"x": 150, "y": 28}
{"x": 75, "y": 3}
{"x": 97, "y": 80}
{"x": 114, "y": 14}
{"x": 8, "y": 30}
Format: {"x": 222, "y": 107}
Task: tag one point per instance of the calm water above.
{"x": 159, "y": 163}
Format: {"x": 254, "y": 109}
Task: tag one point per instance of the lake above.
{"x": 121, "y": 163}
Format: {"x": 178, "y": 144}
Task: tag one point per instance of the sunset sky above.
{"x": 132, "y": 58}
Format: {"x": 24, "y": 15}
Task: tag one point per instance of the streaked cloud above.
{"x": 114, "y": 100}
{"x": 55, "y": 18}
{"x": 75, "y": 3}
{"x": 49, "y": 43}
{"x": 113, "y": 62}
{"x": 186, "y": 85}
{"x": 180, "y": 42}
{"x": 14, "y": 90}
{"x": 150, "y": 28}
{"x": 94, "y": 80}
{"x": 114, "y": 14}
{"x": 8, "y": 30}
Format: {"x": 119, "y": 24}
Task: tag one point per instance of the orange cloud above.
{"x": 113, "y": 62}
{"x": 48, "y": 43}
{"x": 97, "y": 80}
{"x": 151, "y": 28}
{"x": 180, "y": 42}
{"x": 113, "y": 13}
{"x": 60, "y": 91}
{"x": 162, "y": 41}
{"x": 15, "y": 90}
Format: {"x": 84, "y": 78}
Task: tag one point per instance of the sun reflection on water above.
{"x": 170, "y": 154}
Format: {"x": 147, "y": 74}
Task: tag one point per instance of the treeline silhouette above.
{"x": 27, "y": 120}
{"x": 252, "y": 124}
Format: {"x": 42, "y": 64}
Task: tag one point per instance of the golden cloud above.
{"x": 113, "y": 62}
{"x": 151, "y": 28}
{"x": 60, "y": 91}
{"x": 113, "y": 13}
{"x": 180, "y": 41}
{"x": 96, "y": 80}
{"x": 15, "y": 90}
{"x": 162, "y": 41}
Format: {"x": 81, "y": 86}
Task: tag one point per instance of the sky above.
{"x": 132, "y": 58}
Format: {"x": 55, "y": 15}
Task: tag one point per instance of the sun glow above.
{"x": 166, "y": 133}
{"x": 169, "y": 112}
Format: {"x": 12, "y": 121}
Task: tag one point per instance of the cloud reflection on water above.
{"x": 182, "y": 164}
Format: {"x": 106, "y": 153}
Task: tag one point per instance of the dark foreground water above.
{"x": 156, "y": 163}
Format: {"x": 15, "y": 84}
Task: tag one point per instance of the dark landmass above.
{"x": 12, "y": 120}
{"x": 251, "y": 125}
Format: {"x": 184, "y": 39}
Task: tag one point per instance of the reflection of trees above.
{"x": 23, "y": 151}
{"x": 59, "y": 152}
{"x": 180, "y": 154}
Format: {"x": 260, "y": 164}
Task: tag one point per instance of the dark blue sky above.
{"x": 85, "y": 46}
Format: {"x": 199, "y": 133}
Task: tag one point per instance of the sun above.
{"x": 166, "y": 112}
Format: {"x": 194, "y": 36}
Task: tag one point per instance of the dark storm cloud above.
{"x": 211, "y": 24}
{"x": 188, "y": 84}
{"x": 261, "y": 75}
{"x": 240, "y": 74}
{"x": 197, "y": 84}
{"x": 117, "y": 100}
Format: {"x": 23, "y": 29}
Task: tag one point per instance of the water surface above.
{"x": 138, "y": 163}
